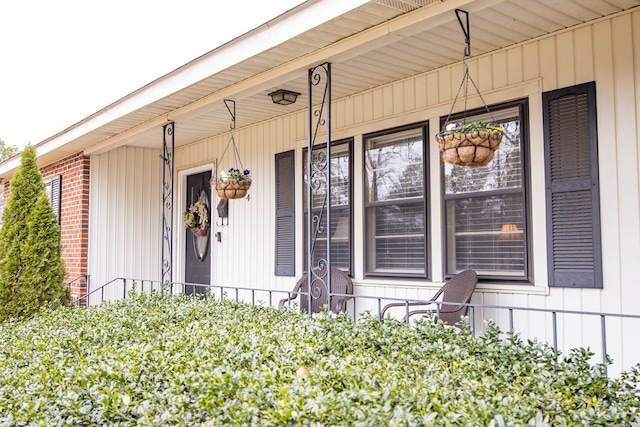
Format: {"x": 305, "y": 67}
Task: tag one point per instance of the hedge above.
{"x": 185, "y": 361}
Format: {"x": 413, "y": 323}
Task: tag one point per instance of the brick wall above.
{"x": 74, "y": 217}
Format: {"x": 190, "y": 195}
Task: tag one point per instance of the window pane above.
{"x": 340, "y": 169}
{"x": 394, "y": 203}
{"x": 504, "y": 171}
{"x": 340, "y": 239}
{"x": 394, "y": 166}
{"x": 397, "y": 242}
{"x": 486, "y": 234}
{"x": 485, "y": 208}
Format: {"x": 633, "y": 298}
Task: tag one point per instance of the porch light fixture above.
{"x": 284, "y": 97}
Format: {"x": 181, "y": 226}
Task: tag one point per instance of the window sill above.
{"x": 483, "y": 287}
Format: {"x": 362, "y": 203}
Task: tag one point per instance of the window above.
{"x": 395, "y": 203}
{"x": 285, "y": 214}
{"x": 341, "y": 218}
{"x": 573, "y": 209}
{"x": 53, "y": 189}
{"x": 486, "y": 207}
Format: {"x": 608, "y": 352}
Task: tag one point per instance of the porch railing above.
{"x": 555, "y": 319}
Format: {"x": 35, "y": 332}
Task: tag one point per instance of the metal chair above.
{"x": 455, "y": 292}
{"x": 341, "y": 285}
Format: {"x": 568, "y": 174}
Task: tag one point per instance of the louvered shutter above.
{"x": 573, "y": 214}
{"x": 56, "y": 186}
{"x": 285, "y": 214}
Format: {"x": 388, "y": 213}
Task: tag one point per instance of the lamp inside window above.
{"x": 510, "y": 232}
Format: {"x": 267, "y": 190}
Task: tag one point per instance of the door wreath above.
{"x": 196, "y": 218}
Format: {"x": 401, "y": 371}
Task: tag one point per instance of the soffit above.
{"x": 379, "y": 42}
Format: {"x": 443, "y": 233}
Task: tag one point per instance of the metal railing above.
{"x": 75, "y": 299}
{"x": 120, "y": 288}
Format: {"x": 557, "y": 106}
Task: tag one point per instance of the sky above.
{"x": 63, "y": 60}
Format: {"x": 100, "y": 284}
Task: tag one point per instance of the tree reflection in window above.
{"x": 395, "y": 202}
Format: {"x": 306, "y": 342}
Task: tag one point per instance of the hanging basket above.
{"x": 232, "y": 188}
{"x": 469, "y": 149}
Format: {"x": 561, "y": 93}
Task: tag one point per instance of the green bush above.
{"x": 183, "y": 361}
{"x": 31, "y": 269}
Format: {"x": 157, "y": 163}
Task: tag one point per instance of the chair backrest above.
{"x": 458, "y": 289}
{"x": 340, "y": 284}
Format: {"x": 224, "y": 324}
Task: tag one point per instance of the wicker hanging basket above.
{"x": 234, "y": 183}
{"x": 468, "y": 144}
{"x": 469, "y": 149}
{"x": 232, "y": 188}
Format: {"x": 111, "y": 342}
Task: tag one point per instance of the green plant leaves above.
{"x": 184, "y": 361}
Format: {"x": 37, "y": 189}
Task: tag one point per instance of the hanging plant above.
{"x": 196, "y": 218}
{"x": 470, "y": 144}
{"x": 233, "y": 184}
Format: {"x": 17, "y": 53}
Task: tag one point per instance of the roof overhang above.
{"x": 369, "y": 43}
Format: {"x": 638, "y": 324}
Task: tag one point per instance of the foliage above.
{"x": 184, "y": 361}
{"x": 7, "y": 151}
{"x": 42, "y": 253}
{"x": 472, "y": 127}
{"x": 236, "y": 174}
{"x": 31, "y": 271}
{"x": 197, "y": 216}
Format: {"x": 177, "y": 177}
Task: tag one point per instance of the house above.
{"x": 552, "y": 222}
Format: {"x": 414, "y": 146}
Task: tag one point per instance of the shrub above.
{"x": 31, "y": 270}
{"x": 184, "y": 361}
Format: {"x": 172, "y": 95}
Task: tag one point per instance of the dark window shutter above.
{"x": 56, "y": 187}
{"x": 573, "y": 213}
{"x": 285, "y": 214}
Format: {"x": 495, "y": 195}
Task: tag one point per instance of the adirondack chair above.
{"x": 457, "y": 291}
{"x": 340, "y": 284}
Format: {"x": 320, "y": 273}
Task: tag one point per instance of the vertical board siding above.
{"x": 628, "y": 138}
{"x": 125, "y": 216}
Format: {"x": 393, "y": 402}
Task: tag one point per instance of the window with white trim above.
{"x": 395, "y": 203}
{"x": 485, "y": 208}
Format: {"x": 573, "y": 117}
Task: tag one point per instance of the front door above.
{"x": 198, "y": 241}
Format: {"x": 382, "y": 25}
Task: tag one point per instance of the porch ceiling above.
{"x": 376, "y": 43}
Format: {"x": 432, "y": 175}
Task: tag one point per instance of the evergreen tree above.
{"x": 31, "y": 270}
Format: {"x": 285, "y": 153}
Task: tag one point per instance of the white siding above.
{"x": 125, "y": 217}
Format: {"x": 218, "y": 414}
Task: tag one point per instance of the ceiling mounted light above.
{"x": 283, "y": 96}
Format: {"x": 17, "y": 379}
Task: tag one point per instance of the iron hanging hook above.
{"x": 465, "y": 30}
{"x": 232, "y": 113}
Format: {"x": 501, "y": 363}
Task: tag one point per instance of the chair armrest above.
{"x": 403, "y": 304}
{"x": 293, "y": 295}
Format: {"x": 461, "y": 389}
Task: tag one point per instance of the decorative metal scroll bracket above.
{"x": 168, "y": 145}
{"x": 465, "y": 30}
{"x": 319, "y": 182}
